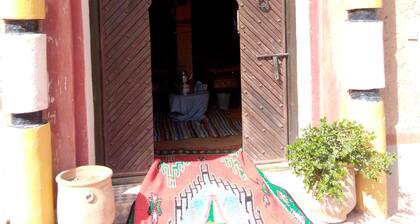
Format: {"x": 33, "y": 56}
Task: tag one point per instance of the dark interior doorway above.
{"x": 201, "y": 40}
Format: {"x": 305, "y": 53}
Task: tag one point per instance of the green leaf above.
{"x": 322, "y": 155}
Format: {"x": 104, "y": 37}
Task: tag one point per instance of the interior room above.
{"x": 195, "y": 74}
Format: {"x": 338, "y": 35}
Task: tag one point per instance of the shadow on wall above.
{"x": 404, "y": 214}
{"x": 400, "y": 203}
{"x": 390, "y": 93}
{"x": 406, "y": 205}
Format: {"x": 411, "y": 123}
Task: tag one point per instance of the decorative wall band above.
{"x": 22, "y": 26}
{"x": 363, "y": 4}
{"x": 28, "y": 119}
{"x": 363, "y": 65}
{"x": 368, "y": 109}
{"x": 22, "y": 9}
{"x": 364, "y": 73}
{"x": 363, "y": 14}
{"x": 30, "y": 165}
{"x": 24, "y": 68}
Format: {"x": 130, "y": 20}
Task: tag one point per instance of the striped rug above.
{"x": 216, "y": 124}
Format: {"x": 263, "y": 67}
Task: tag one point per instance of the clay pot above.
{"x": 85, "y": 196}
{"x": 333, "y": 211}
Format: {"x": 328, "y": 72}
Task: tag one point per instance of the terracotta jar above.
{"x": 333, "y": 211}
{"x": 85, "y": 196}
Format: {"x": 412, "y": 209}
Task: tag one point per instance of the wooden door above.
{"x": 264, "y": 111}
{"x": 126, "y": 87}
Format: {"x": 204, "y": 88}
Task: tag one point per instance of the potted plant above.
{"x": 327, "y": 156}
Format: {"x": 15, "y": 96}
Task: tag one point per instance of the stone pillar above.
{"x": 24, "y": 99}
{"x": 364, "y": 76}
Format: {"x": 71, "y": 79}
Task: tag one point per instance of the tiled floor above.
{"x": 125, "y": 195}
{"x": 294, "y": 186}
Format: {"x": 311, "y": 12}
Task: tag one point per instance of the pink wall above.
{"x": 67, "y": 111}
{"x": 327, "y": 94}
{"x": 315, "y": 52}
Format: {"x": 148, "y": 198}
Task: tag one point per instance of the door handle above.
{"x": 277, "y": 60}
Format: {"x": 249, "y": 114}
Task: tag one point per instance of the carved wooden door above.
{"x": 263, "y": 78}
{"x": 127, "y": 110}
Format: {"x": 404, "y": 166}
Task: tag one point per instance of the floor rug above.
{"x": 209, "y": 189}
{"x": 216, "y": 124}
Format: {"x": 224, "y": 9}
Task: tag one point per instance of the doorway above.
{"x": 142, "y": 50}
{"x": 189, "y": 39}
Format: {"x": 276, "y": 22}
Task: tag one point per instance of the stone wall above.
{"x": 402, "y": 68}
{"x": 402, "y": 101}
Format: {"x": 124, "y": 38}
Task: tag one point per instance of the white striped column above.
{"x": 25, "y": 98}
{"x": 364, "y": 77}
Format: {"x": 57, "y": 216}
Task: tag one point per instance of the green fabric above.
{"x": 210, "y": 219}
{"x": 289, "y": 203}
{"x": 159, "y": 210}
{"x": 151, "y": 207}
{"x": 130, "y": 219}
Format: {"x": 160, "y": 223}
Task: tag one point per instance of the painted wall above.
{"x": 401, "y": 95}
{"x": 67, "y": 111}
{"x": 402, "y": 100}
{"x": 3, "y": 117}
{"x": 402, "y": 67}
{"x": 1, "y": 31}
{"x": 328, "y": 95}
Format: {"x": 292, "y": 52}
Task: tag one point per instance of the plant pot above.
{"x": 332, "y": 211}
{"x": 85, "y": 196}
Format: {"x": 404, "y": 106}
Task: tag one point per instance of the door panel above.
{"x": 264, "y": 106}
{"x": 127, "y": 110}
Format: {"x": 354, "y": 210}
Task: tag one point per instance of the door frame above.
{"x": 96, "y": 80}
{"x": 291, "y": 73}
